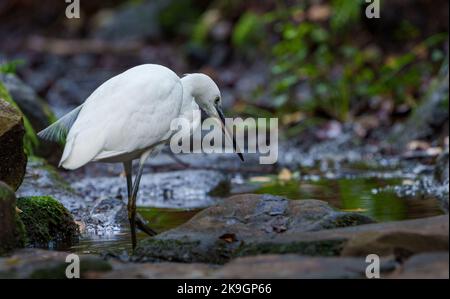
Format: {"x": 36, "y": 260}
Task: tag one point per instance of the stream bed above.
{"x": 375, "y": 194}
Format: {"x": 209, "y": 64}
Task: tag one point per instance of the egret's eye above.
{"x": 217, "y": 101}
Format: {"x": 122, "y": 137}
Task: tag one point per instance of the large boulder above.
{"x": 399, "y": 238}
{"x": 12, "y": 233}
{"x": 44, "y": 264}
{"x": 13, "y": 160}
{"x": 218, "y": 233}
{"x": 252, "y": 226}
{"x": 37, "y": 263}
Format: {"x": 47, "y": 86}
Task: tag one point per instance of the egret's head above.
{"x": 205, "y": 92}
{"x": 207, "y": 96}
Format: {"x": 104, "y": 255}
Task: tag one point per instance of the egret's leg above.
{"x": 128, "y": 166}
{"x": 132, "y": 201}
{"x": 140, "y": 221}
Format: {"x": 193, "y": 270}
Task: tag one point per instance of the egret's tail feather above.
{"x": 58, "y": 131}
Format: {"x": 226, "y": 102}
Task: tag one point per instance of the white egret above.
{"x": 128, "y": 117}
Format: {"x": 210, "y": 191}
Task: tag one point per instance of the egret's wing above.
{"x": 126, "y": 114}
{"x": 58, "y": 131}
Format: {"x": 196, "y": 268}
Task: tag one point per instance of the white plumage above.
{"x": 124, "y": 116}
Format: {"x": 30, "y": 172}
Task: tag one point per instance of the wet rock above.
{"x": 254, "y": 267}
{"x": 331, "y": 242}
{"x": 424, "y": 266}
{"x": 12, "y": 233}
{"x": 38, "y": 263}
{"x": 401, "y": 244}
{"x": 401, "y": 238}
{"x": 296, "y": 266}
{"x": 218, "y": 233}
{"x": 13, "y": 160}
{"x": 48, "y": 224}
{"x": 163, "y": 270}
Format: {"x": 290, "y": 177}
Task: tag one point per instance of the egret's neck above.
{"x": 188, "y": 106}
{"x": 188, "y": 95}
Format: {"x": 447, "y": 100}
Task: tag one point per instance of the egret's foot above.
{"x": 141, "y": 223}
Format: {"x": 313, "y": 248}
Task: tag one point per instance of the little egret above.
{"x": 128, "y": 117}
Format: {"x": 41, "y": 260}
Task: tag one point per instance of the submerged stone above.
{"x": 246, "y": 224}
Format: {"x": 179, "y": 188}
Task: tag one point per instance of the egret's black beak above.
{"x": 227, "y": 132}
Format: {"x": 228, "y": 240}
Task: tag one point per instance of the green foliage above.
{"x": 248, "y": 31}
{"x": 30, "y": 140}
{"x": 178, "y": 17}
{"x": 327, "y": 57}
{"x": 345, "y": 13}
{"x": 10, "y": 67}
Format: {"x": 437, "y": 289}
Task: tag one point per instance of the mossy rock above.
{"x": 47, "y": 222}
{"x": 13, "y": 160}
{"x": 12, "y": 232}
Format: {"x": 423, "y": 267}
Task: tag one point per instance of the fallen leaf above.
{"x": 229, "y": 238}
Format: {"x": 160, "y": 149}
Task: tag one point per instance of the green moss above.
{"x": 345, "y": 220}
{"x": 47, "y": 221}
{"x": 315, "y": 248}
{"x": 221, "y": 252}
